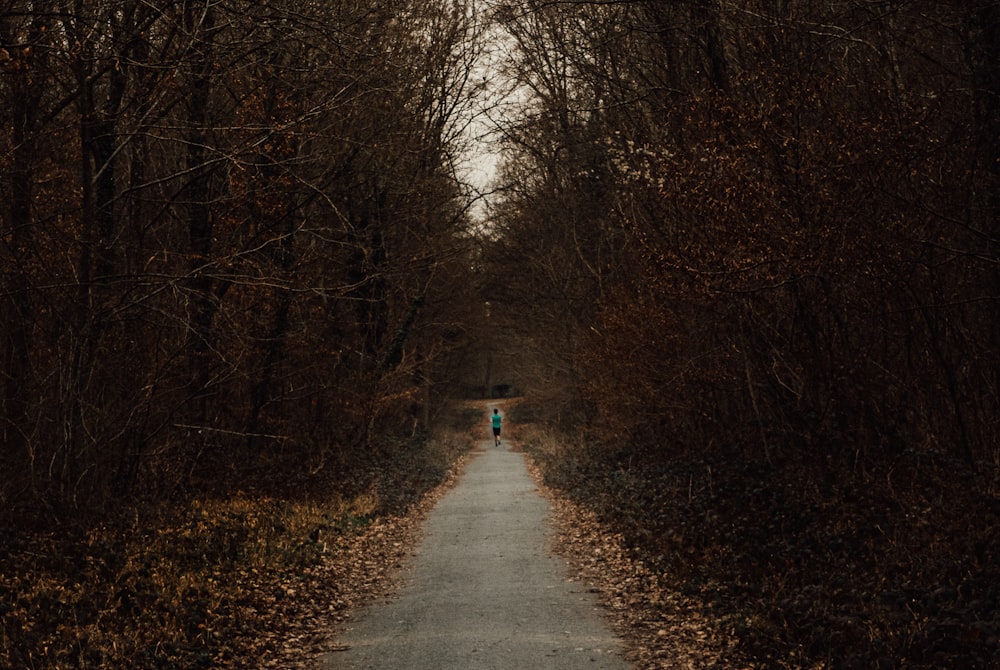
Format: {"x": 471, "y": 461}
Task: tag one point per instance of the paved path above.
{"x": 483, "y": 591}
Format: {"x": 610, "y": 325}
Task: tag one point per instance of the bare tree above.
{"x": 227, "y": 229}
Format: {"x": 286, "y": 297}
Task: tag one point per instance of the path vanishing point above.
{"x": 483, "y": 590}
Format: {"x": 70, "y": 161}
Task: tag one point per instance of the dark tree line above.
{"x": 761, "y": 238}
{"x": 230, "y": 235}
{"x": 797, "y": 197}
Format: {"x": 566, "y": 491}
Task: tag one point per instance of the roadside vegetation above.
{"x": 738, "y": 563}
{"x": 243, "y": 581}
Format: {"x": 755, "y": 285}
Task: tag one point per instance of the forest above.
{"x": 741, "y": 256}
{"x": 757, "y": 252}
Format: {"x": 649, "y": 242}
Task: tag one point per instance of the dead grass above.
{"x": 172, "y": 589}
{"x": 244, "y": 581}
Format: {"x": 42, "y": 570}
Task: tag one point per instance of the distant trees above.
{"x": 774, "y": 220}
{"x": 555, "y": 248}
{"x": 230, "y": 236}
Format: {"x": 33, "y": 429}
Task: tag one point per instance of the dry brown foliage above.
{"x": 757, "y": 566}
{"x": 246, "y": 581}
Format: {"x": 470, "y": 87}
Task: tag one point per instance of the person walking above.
{"x": 497, "y": 420}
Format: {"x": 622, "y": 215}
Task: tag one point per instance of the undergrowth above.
{"x": 894, "y": 566}
{"x": 190, "y": 585}
{"x": 168, "y": 590}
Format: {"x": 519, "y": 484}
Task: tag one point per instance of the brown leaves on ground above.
{"x": 737, "y": 573}
{"x": 777, "y": 567}
{"x": 661, "y": 627}
{"x": 238, "y": 581}
{"x": 359, "y": 569}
